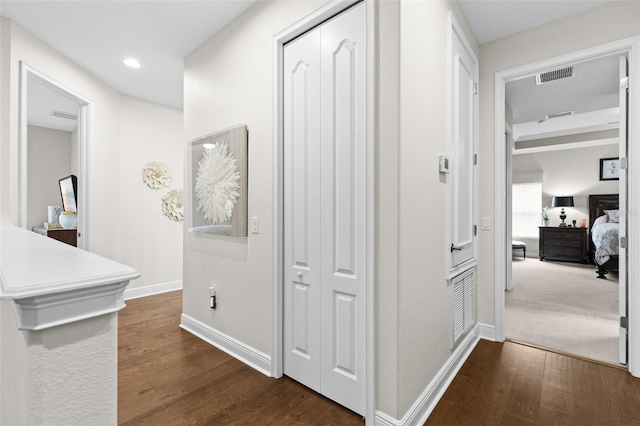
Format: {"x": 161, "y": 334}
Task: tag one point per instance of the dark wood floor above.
{"x": 512, "y": 384}
{"x": 167, "y": 376}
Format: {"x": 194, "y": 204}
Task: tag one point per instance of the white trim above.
{"x": 241, "y": 351}
{"x": 630, "y": 46}
{"x": 429, "y": 398}
{"x": 85, "y": 134}
{"x": 150, "y": 290}
{"x": 564, "y": 146}
{"x": 314, "y": 19}
{"x": 372, "y": 137}
{"x": 487, "y": 332}
{"x": 633, "y": 205}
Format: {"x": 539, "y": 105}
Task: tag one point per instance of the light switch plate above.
{"x": 486, "y": 224}
{"x": 255, "y": 225}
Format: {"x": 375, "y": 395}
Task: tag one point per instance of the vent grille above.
{"x": 463, "y": 304}
{"x": 65, "y": 115}
{"x": 548, "y": 76}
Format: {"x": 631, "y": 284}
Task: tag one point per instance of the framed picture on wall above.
{"x": 610, "y": 168}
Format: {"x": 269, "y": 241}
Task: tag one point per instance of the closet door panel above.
{"x": 302, "y": 206}
{"x": 344, "y": 188}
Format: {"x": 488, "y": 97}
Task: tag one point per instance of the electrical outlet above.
{"x": 213, "y": 302}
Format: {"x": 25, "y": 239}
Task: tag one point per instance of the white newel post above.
{"x": 58, "y": 331}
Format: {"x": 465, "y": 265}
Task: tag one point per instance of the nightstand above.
{"x": 564, "y": 244}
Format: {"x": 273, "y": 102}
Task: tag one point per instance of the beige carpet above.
{"x": 564, "y": 307}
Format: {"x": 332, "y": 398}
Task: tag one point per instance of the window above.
{"x": 526, "y": 209}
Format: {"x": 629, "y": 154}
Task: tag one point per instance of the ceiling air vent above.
{"x": 62, "y": 114}
{"x": 548, "y": 76}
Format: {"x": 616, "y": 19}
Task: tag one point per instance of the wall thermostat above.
{"x": 444, "y": 164}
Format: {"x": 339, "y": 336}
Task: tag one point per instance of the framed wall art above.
{"x": 218, "y": 169}
{"x": 610, "y": 168}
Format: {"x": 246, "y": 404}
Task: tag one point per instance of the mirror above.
{"x": 53, "y": 140}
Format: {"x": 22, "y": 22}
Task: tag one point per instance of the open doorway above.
{"x": 55, "y": 129}
{"x": 564, "y": 128}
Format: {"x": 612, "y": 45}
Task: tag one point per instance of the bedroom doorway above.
{"x": 50, "y": 110}
{"x": 532, "y": 147}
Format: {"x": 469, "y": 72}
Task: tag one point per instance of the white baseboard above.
{"x": 245, "y": 353}
{"x": 150, "y": 290}
{"x": 427, "y": 401}
{"x": 487, "y": 332}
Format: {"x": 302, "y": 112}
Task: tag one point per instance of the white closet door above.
{"x": 325, "y": 209}
{"x": 343, "y": 207}
{"x": 302, "y": 210}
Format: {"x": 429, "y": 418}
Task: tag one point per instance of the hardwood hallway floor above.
{"x": 167, "y": 376}
{"x": 512, "y": 384}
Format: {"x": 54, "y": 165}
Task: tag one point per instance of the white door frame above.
{"x": 85, "y": 120}
{"x": 631, "y": 47}
{"x": 316, "y": 18}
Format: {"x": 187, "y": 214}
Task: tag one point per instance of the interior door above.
{"x": 325, "y": 209}
{"x": 344, "y": 189}
{"x": 463, "y": 229}
{"x": 623, "y": 254}
{"x": 302, "y": 207}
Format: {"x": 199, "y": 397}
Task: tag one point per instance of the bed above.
{"x": 604, "y": 232}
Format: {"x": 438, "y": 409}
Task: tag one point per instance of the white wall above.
{"x": 424, "y": 296}
{"x": 613, "y": 21}
{"x": 567, "y": 172}
{"x": 151, "y": 242}
{"x": 228, "y": 80}
{"x": 49, "y": 159}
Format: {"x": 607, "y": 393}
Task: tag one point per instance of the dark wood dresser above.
{"x": 69, "y": 236}
{"x": 564, "y": 244}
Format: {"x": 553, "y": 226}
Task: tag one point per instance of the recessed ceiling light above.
{"x": 132, "y": 62}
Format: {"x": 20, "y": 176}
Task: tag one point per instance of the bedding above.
{"x": 605, "y": 237}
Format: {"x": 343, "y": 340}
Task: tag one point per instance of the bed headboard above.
{"x": 599, "y": 203}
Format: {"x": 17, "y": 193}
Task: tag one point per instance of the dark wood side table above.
{"x": 564, "y": 244}
{"x": 68, "y": 236}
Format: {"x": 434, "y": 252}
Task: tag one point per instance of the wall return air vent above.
{"x": 558, "y": 74}
{"x": 62, "y": 114}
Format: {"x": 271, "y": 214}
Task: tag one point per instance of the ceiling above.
{"x": 98, "y": 35}
{"x": 593, "y": 87}
{"x": 493, "y": 19}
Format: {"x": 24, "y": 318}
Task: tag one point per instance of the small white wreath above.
{"x": 156, "y": 175}
{"x": 172, "y": 205}
{"x": 217, "y": 183}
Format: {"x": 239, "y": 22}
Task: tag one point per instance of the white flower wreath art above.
{"x": 217, "y": 183}
{"x": 172, "y": 205}
{"x": 156, "y": 175}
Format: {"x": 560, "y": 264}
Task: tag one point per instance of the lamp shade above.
{"x": 562, "y": 202}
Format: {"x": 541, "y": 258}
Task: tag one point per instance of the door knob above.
{"x": 299, "y": 274}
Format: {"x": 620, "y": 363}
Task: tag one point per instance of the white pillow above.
{"x": 612, "y": 216}
{"x": 599, "y": 221}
